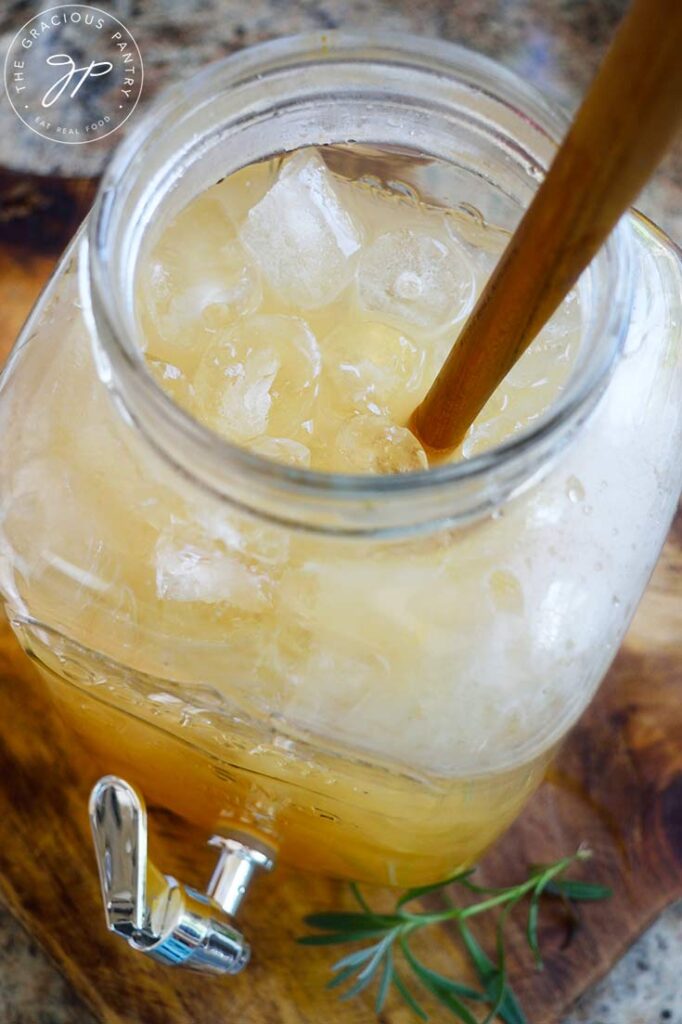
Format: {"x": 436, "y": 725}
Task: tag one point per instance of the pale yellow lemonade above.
{"x": 374, "y": 707}
{"x": 303, "y": 316}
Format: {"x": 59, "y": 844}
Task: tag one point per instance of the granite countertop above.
{"x": 556, "y": 44}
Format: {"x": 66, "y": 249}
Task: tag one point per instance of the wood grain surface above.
{"x": 617, "y": 785}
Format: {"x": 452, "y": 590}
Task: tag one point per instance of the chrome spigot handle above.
{"x": 153, "y": 912}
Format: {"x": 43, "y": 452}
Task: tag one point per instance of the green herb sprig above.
{"x": 375, "y": 962}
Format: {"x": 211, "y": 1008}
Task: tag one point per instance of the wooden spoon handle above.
{"x": 620, "y": 133}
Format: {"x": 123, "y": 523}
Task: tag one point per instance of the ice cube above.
{"x": 259, "y": 377}
{"x": 242, "y": 189}
{"x": 233, "y": 396}
{"x": 51, "y": 526}
{"x": 550, "y": 356}
{"x": 228, "y": 290}
{"x": 368, "y": 443}
{"x": 411, "y": 277}
{"x": 254, "y": 540}
{"x": 484, "y": 436}
{"x": 300, "y": 235}
{"x": 191, "y": 566}
{"x": 282, "y": 449}
{"x": 372, "y": 362}
{"x": 199, "y": 280}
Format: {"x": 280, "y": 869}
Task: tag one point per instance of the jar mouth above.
{"x": 180, "y": 138}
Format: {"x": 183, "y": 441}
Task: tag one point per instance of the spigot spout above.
{"x": 240, "y": 859}
{"x": 153, "y": 912}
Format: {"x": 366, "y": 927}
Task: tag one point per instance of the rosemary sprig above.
{"x": 375, "y": 961}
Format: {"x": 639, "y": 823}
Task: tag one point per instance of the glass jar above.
{"x": 371, "y": 673}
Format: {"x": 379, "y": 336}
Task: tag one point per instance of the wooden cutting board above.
{"x": 617, "y": 785}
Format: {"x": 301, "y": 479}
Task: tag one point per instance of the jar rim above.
{"x": 447, "y": 494}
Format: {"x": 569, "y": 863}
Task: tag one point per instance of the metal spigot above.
{"x": 153, "y": 912}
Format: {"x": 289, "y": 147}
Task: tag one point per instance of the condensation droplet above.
{"x": 574, "y": 490}
{"x": 506, "y": 591}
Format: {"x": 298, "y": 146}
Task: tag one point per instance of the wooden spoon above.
{"x": 620, "y": 132}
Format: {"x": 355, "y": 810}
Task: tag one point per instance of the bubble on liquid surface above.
{"x": 245, "y": 380}
{"x": 371, "y": 362}
{"x": 300, "y": 235}
{"x": 368, "y": 443}
{"x": 409, "y": 277}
